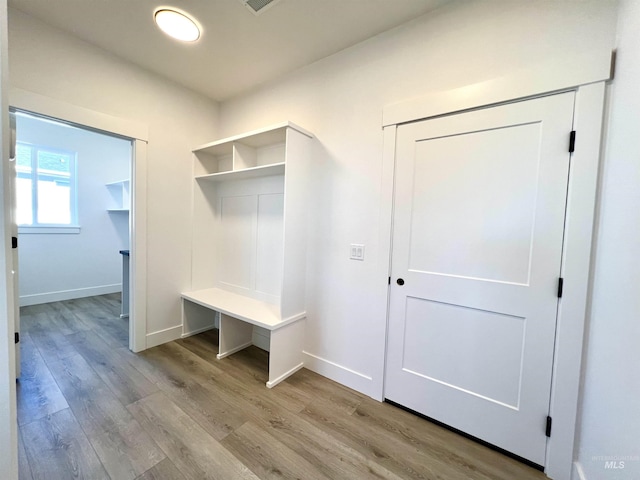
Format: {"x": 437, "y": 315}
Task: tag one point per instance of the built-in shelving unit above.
{"x": 120, "y": 196}
{"x": 249, "y": 244}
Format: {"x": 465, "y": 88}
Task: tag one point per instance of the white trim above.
{"x": 222, "y": 355}
{"x": 385, "y": 242}
{"x": 586, "y": 75}
{"x": 138, "y": 241}
{"x": 8, "y": 412}
{"x": 38, "y": 298}
{"x": 48, "y": 230}
{"x": 284, "y": 376}
{"x": 53, "y": 108}
{"x": 163, "y": 336}
{"x": 562, "y": 73}
{"x": 341, "y": 374}
{"x": 576, "y": 271}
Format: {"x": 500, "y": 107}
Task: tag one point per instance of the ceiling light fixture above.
{"x": 177, "y": 24}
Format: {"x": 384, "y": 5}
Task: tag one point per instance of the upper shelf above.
{"x": 261, "y": 171}
{"x": 256, "y": 139}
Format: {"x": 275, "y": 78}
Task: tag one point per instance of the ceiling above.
{"x": 237, "y": 50}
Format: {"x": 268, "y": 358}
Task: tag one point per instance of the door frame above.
{"x": 138, "y": 134}
{"x": 586, "y": 75}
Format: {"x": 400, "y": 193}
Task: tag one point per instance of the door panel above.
{"x": 490, "y": 341}
{"x": 459, "y": 239}
{"x": 478, "y": 227}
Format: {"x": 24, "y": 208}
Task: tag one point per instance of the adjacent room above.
{"x": 323, "y": 240}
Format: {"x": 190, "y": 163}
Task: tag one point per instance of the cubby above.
{"x": 249, "y": 244}
{"x": 120, "y": 193}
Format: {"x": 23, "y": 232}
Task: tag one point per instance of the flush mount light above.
{"x": 177, "y": 24}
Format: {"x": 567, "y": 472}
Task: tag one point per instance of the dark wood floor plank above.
{"x": 251, "y": 364}
{"x": 329, "y": 456}
{"x": 342, "y": 398}
{"x": 110, "y": 303}
{"x": 190, "y": 448}
{"x": 109, "y": 426}
{"x": 50, "y": 342}
{"x": 37, "y": 392}
{"x": 57, "y": 448}
{"x": 268, "y": 458}
{"x": 462, "y": 453}
{"x": 125, "y": 381}
{"x": 65, "y": 319}
{"x": 165, "y": 470}
{"x": 215, "y": 419}
{"x": 24, "y": 469}
{"x": 113, "y": 330}
{"x": 406, "y": 459}
{"x": 171, "y": 374}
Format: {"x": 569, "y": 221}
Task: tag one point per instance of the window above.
{"x": 46, "y": 187}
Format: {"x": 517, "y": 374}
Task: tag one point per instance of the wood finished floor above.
{"x": 89, "y": 408}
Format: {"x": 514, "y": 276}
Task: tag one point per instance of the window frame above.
{"x": 73, "y": 226}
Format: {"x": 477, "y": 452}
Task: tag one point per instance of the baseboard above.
{"x": 284, "y": 376}
{"x": 338, "y": 373}
{"x": 38, "y": 298}
{"x": 164, "y": 336}
{"x": 200, "y": 330}
{"x": 222, "y": 355}
{"x": 578, "y": 472}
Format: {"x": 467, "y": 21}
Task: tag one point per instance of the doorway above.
{"x": 137, "y": 135}
{"x": 72, "y": 199}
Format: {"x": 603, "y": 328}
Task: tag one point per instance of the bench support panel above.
{"x": 234, "y": 335}
{"x": 285, "y": 355}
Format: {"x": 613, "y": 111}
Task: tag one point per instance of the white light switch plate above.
{"x": 356, "y": 251}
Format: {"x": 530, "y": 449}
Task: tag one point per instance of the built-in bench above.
{"x": 238, "y": 315}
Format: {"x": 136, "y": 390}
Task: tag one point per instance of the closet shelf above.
{"x": 253, "y": 172}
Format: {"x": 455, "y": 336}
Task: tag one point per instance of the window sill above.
{"x": 48, "y": 229}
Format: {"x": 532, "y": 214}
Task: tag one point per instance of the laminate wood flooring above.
{"x": 88, "y": 408}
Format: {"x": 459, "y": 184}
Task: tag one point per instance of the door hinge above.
{"x": 560, "y": 286}
{"x": 572, "y": 141}
{"x": 547, "y": 430}
{"x": 14, "y": 242}
{"x": 389, "y": 281}
{"x": 16, "y": 337}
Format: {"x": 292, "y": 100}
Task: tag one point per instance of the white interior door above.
{"x": 477, "y": 244}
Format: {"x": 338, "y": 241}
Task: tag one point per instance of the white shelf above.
{"x": 249, "y": 243}
{"x": 256, "y": 139}
{"x": 254, "y": 172}
{"x": 250, "y": 310}
{"x": 120, "y": 195}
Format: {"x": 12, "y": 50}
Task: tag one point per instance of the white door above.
{"x": 477, "y": 243}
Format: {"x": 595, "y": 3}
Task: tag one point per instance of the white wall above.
{"x": 340, "y": 99}
{"x": 610, "y": 417}
{"x": 52, "y": 63}
{"x": 62, "y": 266}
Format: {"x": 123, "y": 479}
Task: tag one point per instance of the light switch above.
{"x": 357, "y": 251}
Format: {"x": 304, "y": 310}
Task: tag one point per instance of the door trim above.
{"x": 138, "y": 134}
{"x": 586, "y": 75}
